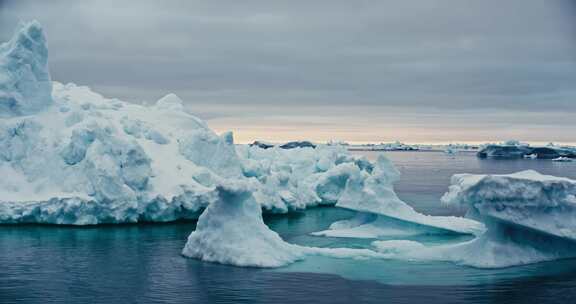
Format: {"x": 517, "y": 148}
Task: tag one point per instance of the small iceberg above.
{"x": 514, "y": 149}
{"x": 562, "y": 159}
{"x": 231, "y": 231}
{"x": 530, "y": 218}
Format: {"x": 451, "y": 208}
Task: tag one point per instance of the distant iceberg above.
{"x": 530, "y": 218}
{"x": 514, "y": 149}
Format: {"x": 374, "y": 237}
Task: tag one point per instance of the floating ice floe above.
{"x": 562, "y": 159}
{"x": 514, "y": 149}
{"x": 380, "y": 211}
{"x": 530, "y": 218}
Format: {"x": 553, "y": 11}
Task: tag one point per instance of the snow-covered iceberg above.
{"x": 72, "y": 156}
{"x": 295, "y": 179}
{"x": 231, "y": 231}
{"x": 380, "y": 211}
{"x": 530, "y": 218}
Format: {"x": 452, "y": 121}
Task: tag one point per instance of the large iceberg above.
{"x": 72, "y": 156}
{"x": 380, "y": 212}
{"x": 530, "y": 218}
{"x": 75, "y": 157}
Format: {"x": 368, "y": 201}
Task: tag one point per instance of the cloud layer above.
{"x": 444, "y": 70}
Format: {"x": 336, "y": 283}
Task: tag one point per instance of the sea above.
{"x": 141, "y": 263}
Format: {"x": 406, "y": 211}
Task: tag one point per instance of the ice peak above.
{"x": 170, "y": 102}
{"x": 25, "y": 85}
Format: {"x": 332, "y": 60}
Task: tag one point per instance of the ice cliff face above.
{"x": 25, "y": 85}
{"x": 530, "y": 218}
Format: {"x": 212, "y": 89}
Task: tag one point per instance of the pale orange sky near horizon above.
{"x": 403, "y": 124}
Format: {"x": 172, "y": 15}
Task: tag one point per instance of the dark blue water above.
{"x": 142, "y": 263}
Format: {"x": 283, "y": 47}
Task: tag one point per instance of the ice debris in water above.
{"x": 380, "y": 211}
{"x": 530, "y": 218}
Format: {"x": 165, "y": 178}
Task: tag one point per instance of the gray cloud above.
{"x": 473, "y": 59}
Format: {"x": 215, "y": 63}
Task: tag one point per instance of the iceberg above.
{"x": 381, "y": 213}
{"x": 75, "y": 157}
{"x": 298, "y": 144}
{"x": 296, "y": 179}
{"x": 514, "y": 149}
{"x": 530, "y": 218}
{"x": 231, "y": 231}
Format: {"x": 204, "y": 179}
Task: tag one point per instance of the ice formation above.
{"x": 231, "y": 231}
{"x": 75, "y": 157}
{"x": 295, "y": 179}
{"x": 25, "y": 85}
{"x": 512, "y": 149}
{"x": 530, "y": 218}
{"x": 380, "y": 211}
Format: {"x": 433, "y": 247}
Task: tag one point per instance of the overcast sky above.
{"x": 360, "y": 71}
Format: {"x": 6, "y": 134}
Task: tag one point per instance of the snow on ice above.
{"x": 75, "y": 157}
{"x": 530, "y": 218}
{"x": 380, "y": 211}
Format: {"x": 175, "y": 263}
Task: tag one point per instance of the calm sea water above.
{"x": 142, "y": 263}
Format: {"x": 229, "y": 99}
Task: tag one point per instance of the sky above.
{"x": 434, "y": 71}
